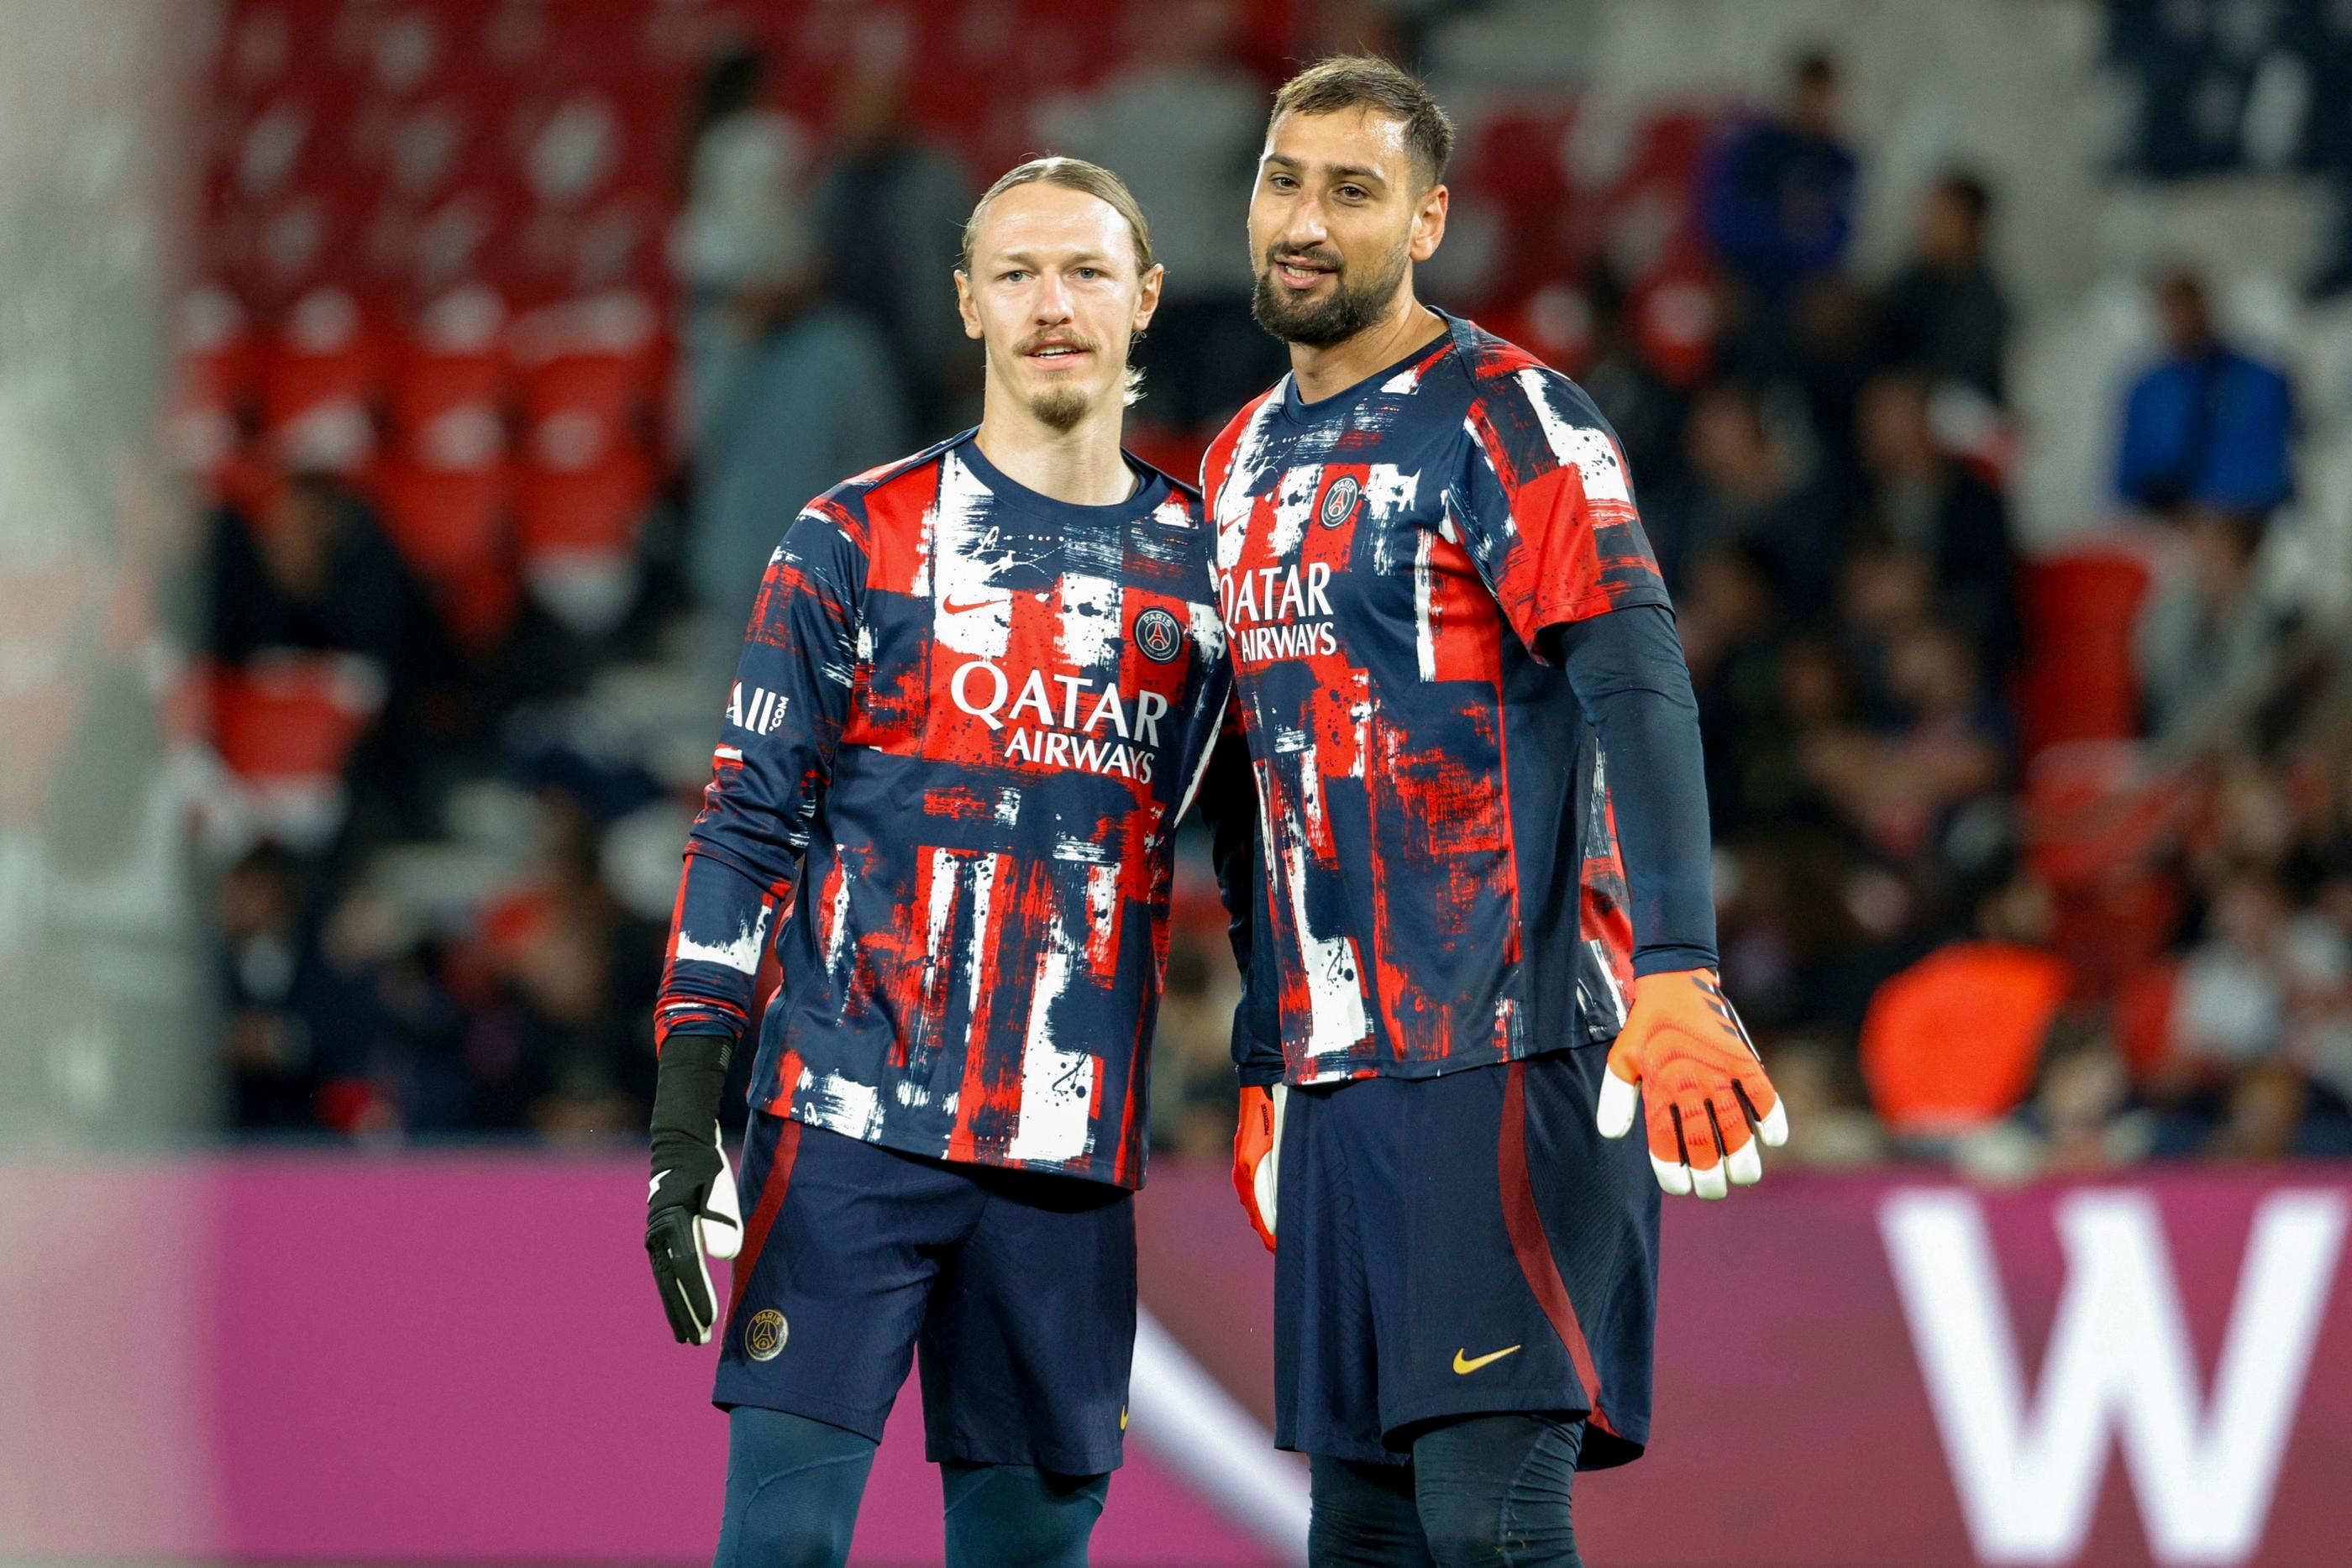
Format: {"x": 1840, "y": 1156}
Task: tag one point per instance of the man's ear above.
{"x": 1429, "y": 224}
{"x": 1147, "y": 299}
{"x": 964, "y": 306}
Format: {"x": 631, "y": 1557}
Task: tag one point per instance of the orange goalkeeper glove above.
{"x": 1698, "y": 1078}
{"x": 1256, "y": 1140}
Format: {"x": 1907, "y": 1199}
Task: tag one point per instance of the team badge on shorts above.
{"x": 765, "y": 1334}
{"x": 1157, "y": 633}
{"x": 1340, "y": 501}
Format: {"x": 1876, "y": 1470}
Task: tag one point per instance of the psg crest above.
{"x": 765, "y": 1334}
{"x": 1340, "y": 501}
{"x": 1159, "y": 635}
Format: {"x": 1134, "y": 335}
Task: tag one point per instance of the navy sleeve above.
{"x": 1229, "y": 803}
{"x": 785, "y": 713}
{"x": 1628, "y": 673}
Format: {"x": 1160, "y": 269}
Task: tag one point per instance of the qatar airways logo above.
{"x": 1064, "y": 721}
{"x": 1278, "y": 611}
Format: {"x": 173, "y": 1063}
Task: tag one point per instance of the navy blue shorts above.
{"x": 1462, "y": 1245}
{"x": 1018, "y": 1289}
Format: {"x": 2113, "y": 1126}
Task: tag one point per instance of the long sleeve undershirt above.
{"x": 1626, "y": 667}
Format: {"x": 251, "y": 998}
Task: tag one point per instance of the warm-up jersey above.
{"x": 1443, "y": 888}
{"x": 966, "y": 721}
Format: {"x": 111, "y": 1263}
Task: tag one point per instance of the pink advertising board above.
{"x": 457, "y": 1358}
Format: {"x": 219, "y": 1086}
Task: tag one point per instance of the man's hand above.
{"x": 1698, "y": 1078}
{"x": 692, "y": 1209}
{"x": 690, "y": 1205}
{"x": 1256, "y": 1140}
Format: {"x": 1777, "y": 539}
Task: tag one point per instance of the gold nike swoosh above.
{"x": 1465, "y": 1364}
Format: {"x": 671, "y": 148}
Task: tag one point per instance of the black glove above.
{"x": 690, "y": 1206}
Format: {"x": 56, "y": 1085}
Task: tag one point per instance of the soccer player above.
{"x": 978, "y": 689}
{"x": 1485, "y": 827}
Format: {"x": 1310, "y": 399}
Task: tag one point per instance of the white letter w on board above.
{"x": 2119, "y": 1357}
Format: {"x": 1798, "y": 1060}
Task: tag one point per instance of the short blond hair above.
{"x": 1074, "y": 174}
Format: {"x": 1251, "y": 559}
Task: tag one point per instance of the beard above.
{"x": 1059, "y": 409}
{"x": 1347, "y": 310}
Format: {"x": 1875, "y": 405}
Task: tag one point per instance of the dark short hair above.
{"x": 1368, "y": 82}
{"x": 1071, "y": 174}
{"x": 1969, "y": 190}
{"x": 1815, "y": 67}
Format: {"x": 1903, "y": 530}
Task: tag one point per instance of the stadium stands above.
{"x": 437, "y": 263}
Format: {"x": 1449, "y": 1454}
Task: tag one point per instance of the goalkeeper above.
{"x": 979, "y": 688}
{"x": 1487, "y": 929}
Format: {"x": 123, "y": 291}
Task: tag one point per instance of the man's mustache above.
{"x": 1063, "y": 339}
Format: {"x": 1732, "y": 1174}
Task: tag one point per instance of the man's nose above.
{"x": 1306, "y": 229}
{"x": 1053, "y": 301}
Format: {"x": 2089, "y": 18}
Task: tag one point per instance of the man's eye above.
{"x": 1014, "y": 276}
{"x": 1089, "y": 273}
{"x": 1352, "y": 193}
{"x": 1281, "y": 182}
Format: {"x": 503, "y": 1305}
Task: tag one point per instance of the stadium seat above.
{"x": 212, "y": 385}
{"x": 1953, "y": 1042}
{"x": 452, "y": 526}
{"x": 577, "y": 532}
{"x": 293, "y": 716}
{"x": 2143, "y": 1016}
{"x": 2079, "y": 607}
{"x": 593, "y": 361}
{"x": 318, "y": 384}
{"x": 452, "y": 361}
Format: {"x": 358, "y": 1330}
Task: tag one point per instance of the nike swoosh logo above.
{"x": 654, "y": 1186}
{"x": 1465, "y": 1365}
{"x": 958, "y": 607}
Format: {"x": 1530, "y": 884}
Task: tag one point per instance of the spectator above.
{"x": 1953, "y": 1043}
{"x": 2207, "y": 640}
{"x": 1943, "y": 316}
{"x": 1183, "y": 122}
{"x": 1779, "y": 199}
{"x": 1924, "y": 503}
{"x": 1646, "y": 409}
{"x": 743, "y": 246}
{"x": 313, "y": 572}
{"x": 1745, "y": 490}
{"x": 891, "y": 212}
{"x": 789, "y": 391}
{"x": 2262, "y": 987}
{"x": 578, "y": 972}
{"x": 279, "y": 1001}
{"x": 1732, "y": 641}
{"x": 2208, "y": 424}
{"x": 1899, "y": 783}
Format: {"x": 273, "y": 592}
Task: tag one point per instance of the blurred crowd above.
{"x": 1956, "y": 926}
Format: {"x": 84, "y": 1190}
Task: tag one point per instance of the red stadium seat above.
{"x": 319, "y": 384}
{"x": 454, "y": 361}
{"x": 1953, "y": 1042}
{"x": 2079, "y": 607}
{"x": 293, "y": 717}
{"x": 577, "y": 530}
{"x": 453, "y": 528}
{"x": 213, "y": 383}
{"x": 2144, "y": 1017}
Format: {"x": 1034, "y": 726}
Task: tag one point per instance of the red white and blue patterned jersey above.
{"x": 1443, "y": 887}
{"x": 966, "y": 721}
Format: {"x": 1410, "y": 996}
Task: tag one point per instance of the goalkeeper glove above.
{"x": 1257, "y": 1142}
{"x": 1700, "y": 1083}
{"x": 691, "y": 1207}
